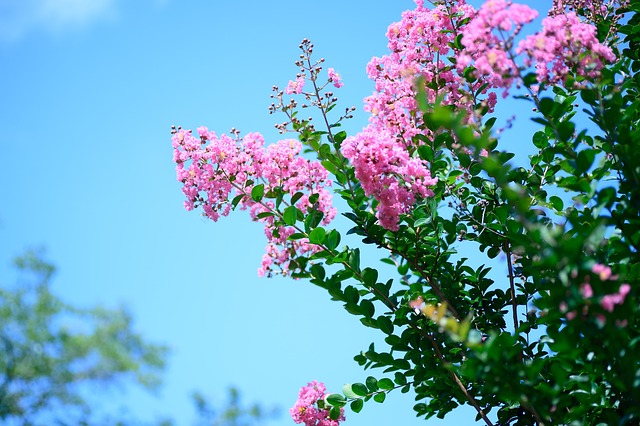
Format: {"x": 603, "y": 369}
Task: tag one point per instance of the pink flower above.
{"x": 586, "y": 290}
{"x": 387, "y": 172}
{"x": 604, "y": 272}
{"x": 565, "y": 44}
{"x": 306, "y": 409}
{"x": 609, "y": 301}
{"x": 484, "y": 41}
{"x": 335, "y": 78}
{"x": 295, "y": 86}
{"x": 214, "y": 171}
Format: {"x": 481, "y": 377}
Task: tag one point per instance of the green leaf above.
{"x": 356, "y": 405}
{"x": 400, "y": 378}
{"x": 464, "y": 159}
{"x": 295, "y": 197}
{"x": 348, "y": 391}
{"x": 379, "y": 397}
{"x": 372, "y": 384}
{"x": 385, "y": 324}
{"x": 556, "y": 203}
{"x": 317, "y": 271}
{"x": 290, "y": 215}
{"x": 236, "y": 200}
{"x": 336, "y": 400}
{"x": 370, "y": 277}
{"x": 333, "y": 239}
{"x": 329, "y": 166}
{"x": 317, "y": 236}
{"x": 566, "y": 130}
{"x": 354, "y": 259}
{"x": 589, "y": 96}
{"x": 490, "y": 122}
{"x": 257, "y": 192}
{"x": 585, "y": 159}
{"x": 339, "y": 137}
{"x": 493, "y": 252}
{"x": 313, "y": 219}
{"x": 546, "y": 106}
{"x": 366, "y": 308}
{"x": 540, "y": 140}
{"x": 359, "y": 389}
{"x": 385, "y": 384}
{"x": 334, "y": 414}
{"x": 351, "y": 294}
{"x": 264, "y": 214}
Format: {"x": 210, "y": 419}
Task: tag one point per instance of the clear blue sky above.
{"x": 88, "y": 92}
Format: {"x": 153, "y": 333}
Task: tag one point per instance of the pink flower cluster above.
{"x": 383, "y": 154}
{"x": 593, "y": 8}
{"x": 419, "y": 45}
{"x": 306, "y": 409}
{"x": 295, "y": 86}
{"x": 214, "y": 170}
{"x": 565, "y": 44}
{"x": 387, "y": 172}
{"x": 488, "y": 39}
{"x": 608, "y": 302}
{"x": 335, "y": 78}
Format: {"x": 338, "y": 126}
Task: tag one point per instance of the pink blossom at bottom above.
{"x": 306, "y": 408}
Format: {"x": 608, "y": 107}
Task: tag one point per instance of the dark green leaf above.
{"x": 367, "y": 309}
{"x": 334, "y": 413}
{"x": 540, "y": 140}
{"x": 556, "y": 203}
{"x": 372, "y": 384}
{"x": 360, "y": 389}
{"x": 356, "y": 405}
{"x": 333, "y": 239}
{"x": 295, "y": 197}
{"x": 379, "y": 397}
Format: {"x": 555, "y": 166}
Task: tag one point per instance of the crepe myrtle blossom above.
{"x": 335, "y": 78}
{"x": 608, "y": 302}
{"x": 216, "y": 170}
{"x": 487, "y": 40}
{"x": 307, "y": 410}
{"x": 418, "y": 47}
{"x": 295, "y": 86}
{"x": 565, "y": 44}
{"x": 388, "y": 173}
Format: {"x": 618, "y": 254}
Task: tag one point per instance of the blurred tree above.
{"x": 50, "y": 351}
{"x": 232, "y": 413}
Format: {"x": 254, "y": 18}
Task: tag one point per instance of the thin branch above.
{"x": 512, "y": 285}
{"x": 455, "y": 377}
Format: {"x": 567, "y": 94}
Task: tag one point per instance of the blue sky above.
{"x": 89, "y": 90}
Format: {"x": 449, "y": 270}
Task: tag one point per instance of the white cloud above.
{"x": 19, "y": 17}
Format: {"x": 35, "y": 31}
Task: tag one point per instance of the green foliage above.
{"x": 535, "y": 345}
{"x": 50, "y": 350}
